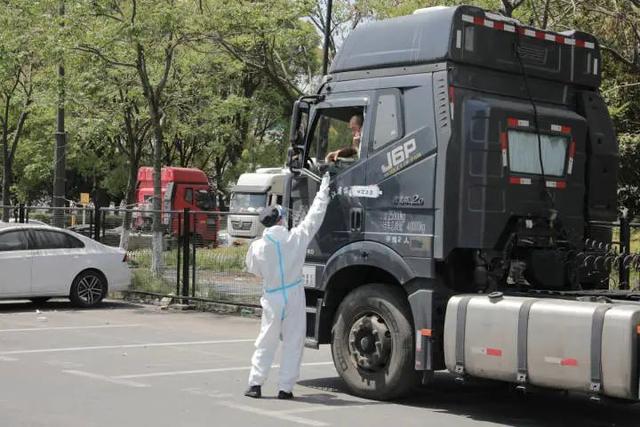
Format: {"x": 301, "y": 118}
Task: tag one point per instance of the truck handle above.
{"x": 309, "y": 174}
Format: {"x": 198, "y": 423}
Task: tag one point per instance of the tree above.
{"x": 270, "y": 39}
{"x": 19, "y": 62}
{"x": 110, "y": 116}
{"x": 143, "y": 35}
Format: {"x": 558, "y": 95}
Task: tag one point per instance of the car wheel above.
{"x": 39, "y": 300}
{"x": 372, "y": 342}
{"x": 88, "y": 289}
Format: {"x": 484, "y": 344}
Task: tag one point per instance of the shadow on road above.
{"x": 19, "y": 306}
{"x": 497, "y": 402}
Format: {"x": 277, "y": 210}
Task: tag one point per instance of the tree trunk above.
{"x": 153, "y": 101}
{"x": 8, "y": 154}
{"x": 6, "y": 186}
{"x": 6, "y": 164}
{"x": 129, "y": 197}
{"x": 156, "y": 229}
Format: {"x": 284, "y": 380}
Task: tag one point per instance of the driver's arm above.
{"x": 347, "y": 152}
{"x": 344, "y": 152}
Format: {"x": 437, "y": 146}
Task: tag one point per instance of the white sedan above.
{"x": 40, "y": 262}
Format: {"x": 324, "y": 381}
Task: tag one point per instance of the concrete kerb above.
{"x": 168, "y": 302}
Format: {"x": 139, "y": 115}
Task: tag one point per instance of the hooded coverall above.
{"x": 278, "y": 258}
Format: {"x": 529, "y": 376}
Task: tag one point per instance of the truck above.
{"x": 486, "y": 156}
{"x": 181, "y": 188}
{"x": 253, "y": 192}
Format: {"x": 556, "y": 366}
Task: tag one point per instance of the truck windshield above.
{"x": 524, "y": 155}
{"x": 248, "y": 202}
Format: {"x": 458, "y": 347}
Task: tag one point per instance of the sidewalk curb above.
{"x": 213, "y": 307}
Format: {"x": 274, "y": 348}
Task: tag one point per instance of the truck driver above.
{"x": 355, "y": 124}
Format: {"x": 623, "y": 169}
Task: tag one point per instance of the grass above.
{"x": 143, "y": 280}
{"x": 227, "y": 259}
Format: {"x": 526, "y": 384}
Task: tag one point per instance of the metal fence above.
{"x": 200, "y": 263}
{"x": 206, "y": 263}
{"x": 620, "y": 259}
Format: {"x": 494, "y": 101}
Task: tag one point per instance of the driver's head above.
{"x": 355, "y": 123}
{"x": 273, "y": 215}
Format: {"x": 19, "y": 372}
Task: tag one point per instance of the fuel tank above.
{"x": 564, "y": 344}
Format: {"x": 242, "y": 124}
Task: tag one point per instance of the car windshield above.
{"x": 248, "y": 202}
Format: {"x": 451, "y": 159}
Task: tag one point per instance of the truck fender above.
{"x": 367, "y": 253}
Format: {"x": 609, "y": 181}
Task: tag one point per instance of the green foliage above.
{"x": 228, "y": 84}
{"x": 629, "y": 178}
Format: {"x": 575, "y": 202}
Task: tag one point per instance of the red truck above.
{"x": 181, "y": 188}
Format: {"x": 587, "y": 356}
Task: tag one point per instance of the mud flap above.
{"x": 312, "y": 339}
{"x": 421, "y": 303}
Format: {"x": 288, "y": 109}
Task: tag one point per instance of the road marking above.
{"x": 109, "y": 347}
{"x": 200, "y": 392}
{"x": 326, "y": 407}
{"x": 274, "y": 414}
{"x": 8, "y": 359}
{"x": 105, "y": 378}
{"x": 63, "y": 328}
{"x": 207, "y": 371}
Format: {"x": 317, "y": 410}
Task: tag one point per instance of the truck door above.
{"x": 401, "y": 169}
{"x": 330, "y": 131}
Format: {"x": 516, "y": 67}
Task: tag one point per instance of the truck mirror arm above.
{"x": 311, "y": 175}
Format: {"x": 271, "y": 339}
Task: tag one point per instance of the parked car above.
{"x": 31, "y": 221}
{"x": 40, "y": 262}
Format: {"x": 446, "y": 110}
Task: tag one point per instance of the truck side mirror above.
{"x": 294, "y": 159}
{"x": 299, "y": 117}
{"x": 295, "y": 124}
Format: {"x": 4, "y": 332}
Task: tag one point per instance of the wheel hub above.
{"x": 90, "y": 289}
{"x": 370, "y": 342}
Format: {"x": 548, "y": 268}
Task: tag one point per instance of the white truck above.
{"x": 251, "y": 194}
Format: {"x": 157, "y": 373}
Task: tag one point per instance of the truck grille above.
{"x": 241, "y": 225}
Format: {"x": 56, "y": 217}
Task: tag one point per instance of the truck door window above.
{"x": 524, "y": 156}
{"x": 387, "y": 123}
{"x": 337, "y": 129}
{"x": 188, "y": 195}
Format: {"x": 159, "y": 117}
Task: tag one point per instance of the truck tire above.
{"x": 372, "y": 342}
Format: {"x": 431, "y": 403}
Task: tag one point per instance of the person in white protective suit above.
{"x": 278, "y": 258}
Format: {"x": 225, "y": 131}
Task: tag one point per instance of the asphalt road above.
{"x": 128, "y": 365}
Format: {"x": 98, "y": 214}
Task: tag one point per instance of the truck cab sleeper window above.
{"x": 524, "y": 154}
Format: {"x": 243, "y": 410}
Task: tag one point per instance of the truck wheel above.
{"x": 372, "y": 342}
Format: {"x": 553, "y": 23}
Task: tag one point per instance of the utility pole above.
{"x": 59, "y": 158}
{"x": 327, "y": 35}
